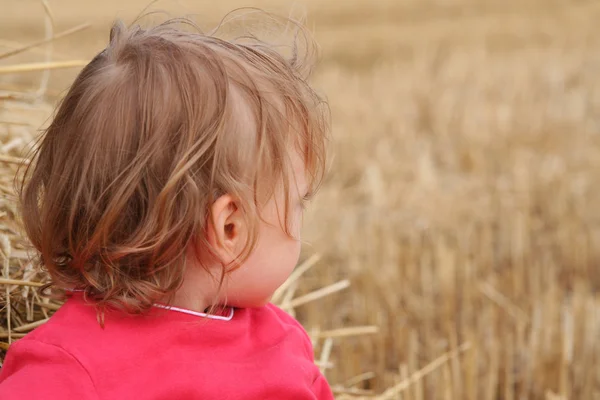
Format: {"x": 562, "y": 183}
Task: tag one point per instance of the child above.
{"x": 165, "y": 200}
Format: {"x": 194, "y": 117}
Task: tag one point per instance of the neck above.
{"x": 198, "y": 291}
{"x": 190, "y": 301}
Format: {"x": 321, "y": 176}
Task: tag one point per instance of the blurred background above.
{"x": 463, "y": 202}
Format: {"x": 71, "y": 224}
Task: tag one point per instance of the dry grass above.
{"x": 462, "y": 204}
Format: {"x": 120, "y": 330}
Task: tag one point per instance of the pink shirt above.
{"x": 260, "y": 353}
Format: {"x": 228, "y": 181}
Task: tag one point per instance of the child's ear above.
{"x": 226, "y": 231}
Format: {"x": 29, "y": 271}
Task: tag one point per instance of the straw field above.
{"x": 463, "y": 204}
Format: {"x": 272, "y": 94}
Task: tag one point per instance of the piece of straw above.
{"x": 503, "y": 301}
{"x": 297, "y": 273}
{"x": 4, "y": 335}
{"x": 18, "y": 282}
{"x": 12, "y": 96}
{"x": 60, "y": 35}
{"x": 317, "y": 294}
{"x": 550, "y": 395}
{"x": 394, "y": 391}
{"x": 35, "y": 301}
{"x": 17, "y": 123}
{"x": 349, "y": 331}
{"x": 49, "y": 28}
{"x": 6, "y": 248}
{"x": 323, "y": 366}
{"x": 325, "y": 353}
{"x": 28, "y": 327}
{"x": 351, "y": 391}
{"x": 355, "y": 380}
{"x": 49, "y": 306}
{"x": 13, "y": 160}
{"x": 40, "y": 66}
{"x": 288, "y": 297}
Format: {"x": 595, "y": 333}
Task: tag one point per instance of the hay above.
{"x": 21, "y": 113}
{"x": 22, "y": 307}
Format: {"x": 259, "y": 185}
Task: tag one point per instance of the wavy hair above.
{"x": 148, "y": 136}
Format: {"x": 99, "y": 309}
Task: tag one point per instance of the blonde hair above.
{"x": 148, "y": 136}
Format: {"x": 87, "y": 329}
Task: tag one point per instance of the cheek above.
{"x": 274, "y": 241}
{"x": 285, "y": 248}
{"x": 290, "y": 253}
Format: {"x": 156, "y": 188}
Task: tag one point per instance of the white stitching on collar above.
{"x": 198, "y": 314}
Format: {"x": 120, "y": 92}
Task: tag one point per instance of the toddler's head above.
{"x": 177, "y": 157}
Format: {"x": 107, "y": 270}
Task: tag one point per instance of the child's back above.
{"x": 256, "y": 353}
{"x": 165, "y": 200}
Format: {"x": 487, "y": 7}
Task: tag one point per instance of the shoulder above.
{"x": 65, "y": 329}
{"x": 57, "y": 373}
{"x": 284, "y": 316}
{"x": 294, "y": 325}
{"x": 29, "y": 351}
